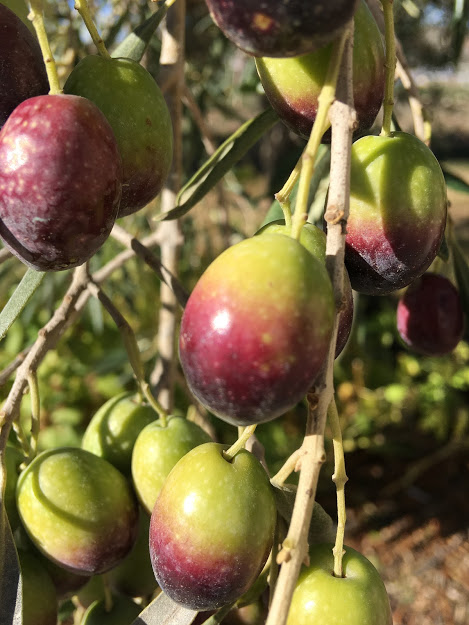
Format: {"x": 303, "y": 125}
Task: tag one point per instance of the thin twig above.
{"x": 29, "y": 359}
{"x": 5, "y": 254}
{"x": 37, "y": 18}
{"x": 321, "y": 124}
{"x": 131, "y": 346}
{"x": 47, "y": 338}
{"x": 418, "y": 468}
{"x": 288, "y": 467}
{"x": 390, "y": 38}
{"x": 239, "y": 444}
{"x": 339, "y": 478}
{"x": 171, "y": 62}
{"x": 84, "y": 10}
{"x": 152, "y": 260}
{"x": 98, "y": 277}
{"x": 13, "y": 366}
{"x": 205, "y": 133}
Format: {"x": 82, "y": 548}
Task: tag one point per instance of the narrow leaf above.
{"x": 455, "y": 183}
{"x": 134, "y": 45}
{"x": 11, "y": 608}
{"x": 461, "y": 271}
{"x": 443, "y": 252}
{"x": 274, "y": 214}
{"x": 321, "y": 529}
{"x": 221, "y": 161}
{"x": 316, "y": 205}
{"x": 164, "y": 611}
{"x": 29, "y": 283}
{"x": 459, "y": 29}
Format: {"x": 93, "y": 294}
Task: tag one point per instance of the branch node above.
{"x": 334, "y": 215}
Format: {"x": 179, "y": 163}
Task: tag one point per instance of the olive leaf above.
{"x": 459, "y": 29}
{"x": 322, "y": 527}
{"x": 221, "y": 161}
{"x": 274, "y": 215}
{"x": 461, "y": 271}
{"x": 134, "y": 45}
{"x": 164, "y": 611}
{"x": 443, "y": 252}
{"x": 29, "y": 283}
{"x": 316, "y": 194}
{"x": 11, "y": 606}
{"x": 454, "y": 182}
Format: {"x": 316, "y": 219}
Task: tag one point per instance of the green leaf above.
{"x": 443, "y": 252}
{"x": 164, "y": 611}
{"x": 134, "y": 45}
{"x": 461, "y": 271}
{"x": 459, "y": 28}
{"x": 455, "y": 183}
{"x": 321, "y": 529}
{"x": 11, "y": 602}
{"x": 221, "y": 161}
{"x": 29, "y": 283}
{"x": 274, "y": 214}
{"x": 315, "y": 200}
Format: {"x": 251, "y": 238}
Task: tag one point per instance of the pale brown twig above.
{"x": 98, "y": 277}
{"x": 171, "y": 62}
{"x": 152, "y": 260}
{"x": 13, "y": 366}
{"x": 295, "y": 545}
{"x": 46, "y": 340}
{"x": 130, "y": 343}
{"x": 339, "y": 478}
{"x": 205, "y": 134}
{"x": 5, "y": 254}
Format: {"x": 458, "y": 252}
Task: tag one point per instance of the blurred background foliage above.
{"x": 389, "y": 399}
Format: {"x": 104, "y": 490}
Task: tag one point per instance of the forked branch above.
{"x": 295, "y": 545}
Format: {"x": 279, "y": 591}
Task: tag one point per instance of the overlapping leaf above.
{"x": 164, "y": 611}
{"x": 25, "y": 289}
{"x": 225, "y": 157}
{"x": 11, "y": 610}
{"x": 134, "y": 45}
{"x": 461, "y": 271}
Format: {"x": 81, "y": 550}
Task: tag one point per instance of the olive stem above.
{"x": 35, "y": 414}
{"x": 321, "y": 124}
{"x": 248, "y": 431}
{"x": 37, "y": 18}
{"x": 153, "y": 261}
{"x": 421, "y": 120}
{"x": 133, "y": 352}
{"x": 339, "y": 478}
{"x": 290, "y": 465}
{"x": 390, "y": 66}
{"x": 84, "y": 10}
{"x": 108, "y": 602}
{"x": 22, "y": 440}
{"x": 295, "y": 545}
{"x": 172, "y": 64}
{"x": 283, "y": 196}
{"x": 287, "y": 215}
{"x": 67, "y": 313}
